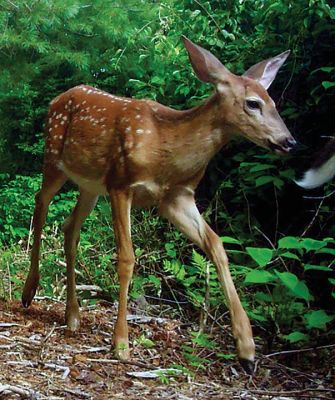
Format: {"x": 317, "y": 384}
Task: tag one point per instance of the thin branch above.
{"x": 289, "y": 392}
{"x": 319, "y": 197}
{"x": 209, "y": 14}
{"x": 313, "y": 219}
{"x": 278, "y": 353}
{"x": 127, "y": 362}
{"x": 272, "y": 245}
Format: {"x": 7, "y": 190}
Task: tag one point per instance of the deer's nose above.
{"x": 290, "y": 143}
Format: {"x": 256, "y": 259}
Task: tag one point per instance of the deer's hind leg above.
{"x": 71, "y": 228}
{"x": 121, "y": 205}
{"x": 53, "y": 180}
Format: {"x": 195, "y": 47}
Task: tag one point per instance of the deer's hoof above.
{"x": 247, "y": 365}
{"x": 72, "y": 321}
{"x": 121, "y": 351}
{"x": 27, "y": 296}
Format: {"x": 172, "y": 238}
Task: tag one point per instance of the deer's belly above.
{"x": 145, "y": 193}
{"x": 94, "y": 186}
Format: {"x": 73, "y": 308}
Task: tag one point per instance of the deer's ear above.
{"x": 265, "y": 71}
{"x": 206, "y": 66}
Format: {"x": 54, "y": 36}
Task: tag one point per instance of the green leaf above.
{"x": 225, "y": 356}
{"x": 288, "y": 254}
{"x": 297, "y": 287}
{"x": 256, "y": 316}
{"x": 326, "y": 251}
{"x": 263, "y": 180}
{"x": 308, "y": 267}
{"x": 261, "y": 255}
{"x": 312, "y": 244}
{"x": 261, "y": 167}
{"x": 259, "y": 276}
{"x": 199, "y": 260}
{"x": 318, "y": 319}
{"x": 229, "y": 239}
{"x": 328, "y": 84}
{"x": 289, "y": 242}
{"x": 170, "y": 250}
{"x": 296, "y": 336}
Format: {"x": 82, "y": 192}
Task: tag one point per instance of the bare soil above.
{"x": 40, "y": 360}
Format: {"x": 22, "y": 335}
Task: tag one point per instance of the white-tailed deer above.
{"x": 322, "y": 170}
{"x": 142, "y": 153}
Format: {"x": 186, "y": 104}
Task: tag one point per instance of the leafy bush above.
{"x": 134, "y": 48}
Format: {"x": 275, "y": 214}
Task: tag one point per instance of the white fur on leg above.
{"x": 315, "y": 177}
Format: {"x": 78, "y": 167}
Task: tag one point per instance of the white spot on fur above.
{"x": 139, "y": 131}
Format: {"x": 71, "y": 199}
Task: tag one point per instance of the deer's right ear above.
{"x": 206, "y": 66}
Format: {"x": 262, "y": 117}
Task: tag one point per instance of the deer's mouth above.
{"x": 282, "y": 148}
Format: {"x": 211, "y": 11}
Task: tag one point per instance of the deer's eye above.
{"x": 253, "y": 104}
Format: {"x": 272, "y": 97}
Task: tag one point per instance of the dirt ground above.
{"x": 39, "y": 360}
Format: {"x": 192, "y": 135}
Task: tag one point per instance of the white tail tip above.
{"x": 315, "y": 177}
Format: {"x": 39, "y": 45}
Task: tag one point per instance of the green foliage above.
{"x": 133, "y": 48}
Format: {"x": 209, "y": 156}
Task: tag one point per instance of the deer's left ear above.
{"x": 206, "y": 66}
{"x": 265, "y": 71}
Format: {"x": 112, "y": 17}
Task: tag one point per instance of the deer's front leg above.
{"x": 121, "y": 205}
{"x": 181, "y": 210}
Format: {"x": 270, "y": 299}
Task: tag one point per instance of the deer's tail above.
{"x": 322, "y": 170}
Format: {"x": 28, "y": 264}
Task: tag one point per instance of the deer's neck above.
{"x": 192, "y": 137}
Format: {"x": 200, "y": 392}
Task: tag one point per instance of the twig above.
{"x": 90, "y": 288}
{"x": 125, "y": 48}
{"x": 50, "y": 333}
{"x": 313, "y": 219}
{"x": 319, "y": 197}
{"x": 9, "y": 282}
{"x": 41, "y": 298}
{"x": 76, "y": 392}
{"x": 204, "y": 309}
{"x": 12, "y": 4}
{"x": 278, "y": 353}
{"x": 209, "y": 14}
{"x": 33, "y": 364}
{"x": 24, "y": 392}
{"x": 29, "y": 235}
{"x": 64, "y": 368}
{"x": 289, "y": 392}
{"x": 110, "y": 361}
{"x": 272, "y": 245}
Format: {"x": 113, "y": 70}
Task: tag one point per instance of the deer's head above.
{"x": 244, "y": 102}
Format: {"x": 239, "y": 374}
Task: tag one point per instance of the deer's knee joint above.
{"x": 125, "y": 266}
